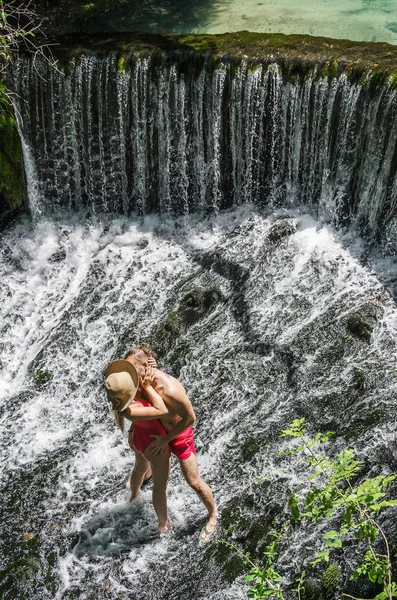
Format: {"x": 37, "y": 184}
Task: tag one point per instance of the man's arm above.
{"x": 185, "y": 410}
{"x": 176, "y": 399}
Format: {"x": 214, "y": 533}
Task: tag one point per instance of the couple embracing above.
{"x": 162, "y": 418}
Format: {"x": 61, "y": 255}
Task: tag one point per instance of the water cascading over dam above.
{"x": 265, "y": 311}
{"x": 177, "y": 137}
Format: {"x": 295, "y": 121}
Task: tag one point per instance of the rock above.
{"x": 312, "y": 589}
{"x": 143, "y": 243}
{"x": 13, "y": 190}
{"x": 362, "y": 322}
{"x": 281, "y": 230}
{"x": 41, "y": 377}
{"x": 58, "y": 256}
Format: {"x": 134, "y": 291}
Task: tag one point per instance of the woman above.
{"x": 136, "y": 400}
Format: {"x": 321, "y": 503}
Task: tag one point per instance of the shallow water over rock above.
{"x": 277, "y": 338}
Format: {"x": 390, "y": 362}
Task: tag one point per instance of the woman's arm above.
{"x": 137, "y": 411}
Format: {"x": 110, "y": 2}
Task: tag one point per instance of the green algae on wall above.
{"x": 13, "y": 192}
{"x": 296, "y": 55}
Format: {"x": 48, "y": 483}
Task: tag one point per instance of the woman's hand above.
{"x": 130, "y": 434}
{"x": 152, "y": 362}
{"x": 148, "y": 378}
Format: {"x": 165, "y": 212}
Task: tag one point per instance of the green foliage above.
{"x": 17, "y": 25}
{"x": 264, "y": 580}
{"x": 334, "y": 493}
{"x": 331, "y": 580}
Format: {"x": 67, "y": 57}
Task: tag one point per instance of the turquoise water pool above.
{"x": 361, "y": 20}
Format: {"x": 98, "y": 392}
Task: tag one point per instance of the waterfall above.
{"x": 201, "y": 209}
{"x": 177, "y": 139}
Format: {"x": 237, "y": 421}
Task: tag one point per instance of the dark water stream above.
{"x": 287, "y": 162}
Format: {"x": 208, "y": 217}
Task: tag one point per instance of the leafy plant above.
{"x": 19, "y": 26}
{"x": 334, "y": 494}
{"x": 265, "y": 581}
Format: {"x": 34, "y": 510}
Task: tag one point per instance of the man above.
{"x": 178, "y": 438}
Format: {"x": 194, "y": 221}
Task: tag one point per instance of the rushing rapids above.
{"x": 264, "y": 311}
{"x": 273, "y": 344}
{"x": 177, "y": 138}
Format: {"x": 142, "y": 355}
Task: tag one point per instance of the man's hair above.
{"x": 141, "y": 348}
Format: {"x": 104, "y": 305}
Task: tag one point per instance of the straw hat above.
{"x": 121, "y": 377}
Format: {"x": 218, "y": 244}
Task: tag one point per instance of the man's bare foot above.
{"x": 164, "y": 527}
{"x": 208, "y": 531}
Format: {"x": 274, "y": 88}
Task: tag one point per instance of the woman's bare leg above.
{"x": 160, "y": 464}
{"x": 141, "y": 467}
{"x": 134, "y": 477}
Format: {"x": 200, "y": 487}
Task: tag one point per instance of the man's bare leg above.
{"x": 191, "y": 473}
{"x": 160, "y": 464}
{"x": 141, "y": 468}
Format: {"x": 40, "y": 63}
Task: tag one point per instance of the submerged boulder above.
{"x": 281, "y": 230}
{"x": 167, "y": 337}
{"x": 361, "y": 323}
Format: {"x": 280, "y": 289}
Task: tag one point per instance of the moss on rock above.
{"x": 359, "y": 379}
{"x": 250, "y": 517}
{"x": 167, "y": 338}
{"x": 41, "y": 377}
{"x": 13, "y": 191}
{"x": 18, "y": 575}
{"x": 250, "y": 447}
{"x": 362, "y": 322}
{"x": 231, "y": 564}
{"x": 312, "y": 589}
{"x": 297, "y": 55}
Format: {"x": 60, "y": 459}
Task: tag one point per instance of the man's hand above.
{"x": 158, "y": 445}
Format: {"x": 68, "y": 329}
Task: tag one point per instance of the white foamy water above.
{"x": 77, "y": 292}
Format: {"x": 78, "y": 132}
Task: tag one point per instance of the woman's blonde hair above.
{"x": 119, "y": 418}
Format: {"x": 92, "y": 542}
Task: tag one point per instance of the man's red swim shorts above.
{"x": 182, "y": 445}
